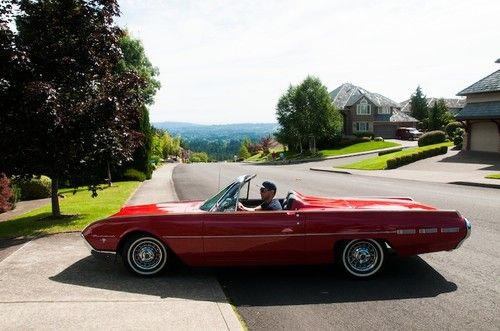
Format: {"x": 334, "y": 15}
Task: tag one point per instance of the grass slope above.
{"x": 380, "y": 162}
{"x": 80, "y": 210}
{"x": 355, "y": 148}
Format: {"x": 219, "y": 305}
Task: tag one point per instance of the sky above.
{"x": 230, "y": 61}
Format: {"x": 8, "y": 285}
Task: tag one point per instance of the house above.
{"x": 481, "y": 114}
{"x": 454, "y": 105}
{"x": 365, "y": 111}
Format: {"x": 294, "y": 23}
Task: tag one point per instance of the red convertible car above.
{"x": 356, "y": 232}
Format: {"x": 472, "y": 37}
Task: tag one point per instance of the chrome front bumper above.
{"x": 101, "y": 255}
{"x": 467, "y": 235}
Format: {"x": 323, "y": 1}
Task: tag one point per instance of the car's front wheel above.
{"x": 362, "y": 257}
{"x": 144, "y": 255}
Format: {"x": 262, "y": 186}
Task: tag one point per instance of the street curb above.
{"x": 329, "y": 170}
{"x": 486, "y": 185}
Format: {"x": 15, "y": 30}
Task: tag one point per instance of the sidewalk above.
{"x": 24, "y": 207}
{"x": 72, "y": 290}
{"x": 455, "y": 167}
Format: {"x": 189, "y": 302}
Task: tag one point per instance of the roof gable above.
{"x": 348, "y": 94}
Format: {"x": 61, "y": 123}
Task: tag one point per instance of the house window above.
{"x": 363, "y": 108}
{"x": 384, "y": 110}
{"x": 362, "y": 126}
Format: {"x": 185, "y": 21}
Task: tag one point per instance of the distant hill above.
{"x": 220, "y": 141}
{"x": 218, "y": 131}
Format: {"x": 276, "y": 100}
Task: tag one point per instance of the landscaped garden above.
{"x": 354, "y": 148}
{"x": 380, "y": 162}
{"x": 80, "y": 209}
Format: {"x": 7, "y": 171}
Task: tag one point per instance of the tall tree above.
{"x": 418, "y": 105}
{"x": 306, "y": 114}
{"x": 135, "y": 59}
{"x": 71, "y": 110}
{"x": 438, "y": 116}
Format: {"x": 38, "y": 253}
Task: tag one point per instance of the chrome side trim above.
{"x": 450, "y": 230}
{"x": 468, "y": 226}
{"x": 279, "y": 235}
{"x": 428, "y": 230}
{"x": 406, "y": 231}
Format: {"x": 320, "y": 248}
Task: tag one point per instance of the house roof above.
{"x": 347, "y": 94}
{"x": 480, "y": 110}
{"x": 399, "y": 116}
{"x": 451, "y": 104}
{"x": 490, "y": 83}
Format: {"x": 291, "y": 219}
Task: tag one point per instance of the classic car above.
{"x": 356, "y": 232}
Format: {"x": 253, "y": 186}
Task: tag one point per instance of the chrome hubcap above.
{"x": 147, "y": 255}
{"x": 362, "y": 256}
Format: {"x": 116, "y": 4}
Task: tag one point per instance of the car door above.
{"x": 253, "y": 238}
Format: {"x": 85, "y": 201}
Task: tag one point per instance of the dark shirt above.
{"x": 274, "y": 204}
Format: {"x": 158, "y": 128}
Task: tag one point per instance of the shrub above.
{"x": 134, "y": 174}
{"x": 36, "y": 188}
{"x": 443, "y": 150}
{"x": 431, "y": 138}
{"x": 5, "y": 194}
{"x": 370, "y": 135}
{"x": 458, "y": 136}
{"x": 200, "y": 157}
{"x": 392, "y": 164}
{"x": 452, "y": 127}
{"x": 16, "y": 195}
{"x": 378, "y": 139}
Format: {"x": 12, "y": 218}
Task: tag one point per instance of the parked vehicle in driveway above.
{"x": 355, "y": 232}
{"x": 408, "y": 133}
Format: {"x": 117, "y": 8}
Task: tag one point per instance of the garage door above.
{"x": 385, "y": 131}
{"x": 485, "y": 137}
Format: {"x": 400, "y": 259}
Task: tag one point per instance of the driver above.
{"x": 267, "y": 193}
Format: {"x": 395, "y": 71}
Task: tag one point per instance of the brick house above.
{"x": 481, "y": 114}
{"x": 364, "y": 111}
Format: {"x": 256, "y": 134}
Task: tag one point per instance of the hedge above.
{"x": 399, "y": 161}
{"x": 393, "y": 150}
{"x": 451, "y": 127}
{"x": 134, "y": 174}
{"x": 432, "y": 138}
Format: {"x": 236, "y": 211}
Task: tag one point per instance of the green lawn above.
{"x": 81, "y": 209}
{"x": 493, "y": 176}
{"x": 355, "y": 148}
{"x": 380, "y": 162}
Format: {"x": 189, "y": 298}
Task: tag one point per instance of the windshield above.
{"x": 209, "y": 203}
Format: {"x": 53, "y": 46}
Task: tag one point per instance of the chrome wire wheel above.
{"x": 145, "y": 256}
{"x": 362, "y": 257}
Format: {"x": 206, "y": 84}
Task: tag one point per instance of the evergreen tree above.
{"x": 438, "y": 116}
{"x": 418, "y": 105}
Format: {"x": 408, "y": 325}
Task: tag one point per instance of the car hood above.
{"x": 161, "y": 208}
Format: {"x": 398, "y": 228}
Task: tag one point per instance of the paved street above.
{"x": 446, "y": 290}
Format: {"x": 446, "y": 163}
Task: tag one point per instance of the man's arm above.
{"x": 243, "y": 208}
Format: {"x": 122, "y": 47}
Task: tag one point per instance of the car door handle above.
{"x": 287, "y": 230}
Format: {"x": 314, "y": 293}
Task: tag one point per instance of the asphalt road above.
{"x": 446, "y": 290}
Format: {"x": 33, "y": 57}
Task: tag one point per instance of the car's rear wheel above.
{"x": 362, "y": 257}
{"x": 144, "y": 255}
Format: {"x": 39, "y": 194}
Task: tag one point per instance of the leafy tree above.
{"x": 244, "y": 153}
{"x": 65, "y": 109}
{"x": 306, "y": 114}
{"x": 418, "y": 105}
{"x": 135, "y": 59}
{"x": 199, "y": 157}
{"x": 438, "y": 116}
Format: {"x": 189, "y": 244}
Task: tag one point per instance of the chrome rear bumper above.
{"x": 101, "y": 255}
{"x": 467, "y": 235}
